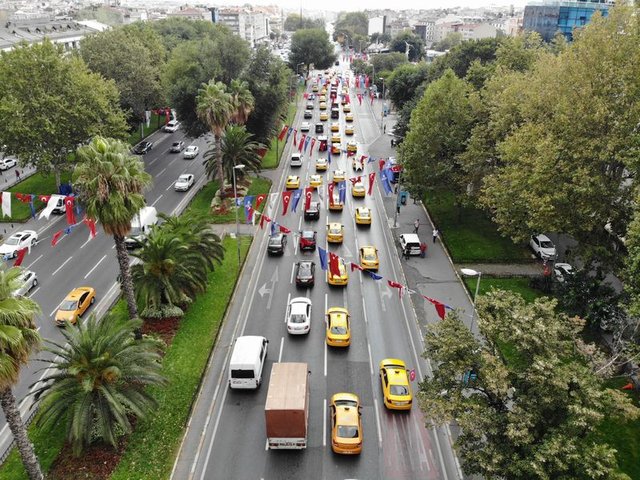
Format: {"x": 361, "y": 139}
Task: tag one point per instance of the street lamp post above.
{"x": 469, "y": 272}
{"x": 235, "y": 199}
{"x": 383, "y": 106}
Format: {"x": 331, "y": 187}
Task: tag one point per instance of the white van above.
{"x": 411, "y": 243}
{"x": 141, "y": 225}
{"x": 247, "y": 361}
{"x": 60, "y": 207}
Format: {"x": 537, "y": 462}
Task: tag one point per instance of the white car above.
{"x": 172, "y": 126}
{"x": 296, "y": 159}
{"x": 29, "y": 280}
{"x": 7, "y": 163}
{"x": 184, "y": 182}
{"x": 299, "y": 316}
{"x": 18, "y": 241}
{"x": 305, "y": 127}
{"x": 562, "y": 271}
{"x": 191, "y": 152}
{"x": 543, "y": 247}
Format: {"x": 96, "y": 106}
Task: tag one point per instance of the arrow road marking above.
{"x": 263, "y": 290}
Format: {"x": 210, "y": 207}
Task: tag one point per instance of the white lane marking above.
{"x": 88, "y": 240}
{"x": 281, "y": 348}
{"x": 370, "y": 358}
{"x": 324, "y": 422}
{"x": 287, "y": 309}
{"x": 293, "y": 267}
{"x": 55, "y": 309}
{"x": 31, "y": 264}
{"x": 325, "y": 358}
{"x": 161, "y": 172}
{"x": 96, "y": 266}
{"x": 34, "y": 292}
{"x": 157, "y": 199}
{"x": 170, "y": 186}
{"x": 60, "y": 267}
{"x": 375, "y": 403}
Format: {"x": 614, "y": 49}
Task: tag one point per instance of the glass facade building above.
{"x": 550, "y": 17}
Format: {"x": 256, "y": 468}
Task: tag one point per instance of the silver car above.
{"x": 29, "y": 280}
{"x": 184, "y": 182}
{"x": 191, "y": 152}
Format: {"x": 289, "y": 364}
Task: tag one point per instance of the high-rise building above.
{"x": 550, "y": 17}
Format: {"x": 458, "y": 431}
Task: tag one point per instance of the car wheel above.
{"x": 35, "y": 283}
{"x": 33, "y": 242}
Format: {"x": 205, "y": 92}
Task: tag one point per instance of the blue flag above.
{"x": 273, "y": 227}
{"x": 295, "y": 199}
{"x": 322, "y": 253}
{"x": 306, "y": 142}
{"x": 239, "y": 201}
{"x": 248, "y": 202}
{"x": 289, "y": 132}
{"x": 374, "y": 275}
{"x": 385, "y": 182}
{"x": 329, "y": 159}
{"x": 371, "y": 160}
{"x": 342, "y": 190}
{"x": 67, "y": 230}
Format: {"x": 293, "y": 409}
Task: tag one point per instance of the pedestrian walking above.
{"x": 423, "y": 249}
{"x": 416, "y": 225}
{"x": 17, "y": 174}
{"x": 384, "y": 128}
{"x": 435, "y": 234}
{"x": 405, "y": 253}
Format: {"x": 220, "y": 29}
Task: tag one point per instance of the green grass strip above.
{"x": 517, "y": 285}
{"x": 271, "y": 160}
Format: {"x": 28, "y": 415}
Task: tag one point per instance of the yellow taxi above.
{"x": 338, "y": 176}
{"x": 369, "y": 258}
{"x": 346, "y": 424}
{"x": 352, "y": 147}
{"x": 335, "y": 127}
{"x": 323, "y": 105}
{"x": 349, "y": 130}
{"x": 363, "y": 216}
{"x": 324, "y": 116}
{"x": 293, "y": 182}
{"x": 358, "y": 190}
{"x": 348, "y": 117}
{"x": 74, "y": 305}
{"x": 315, "y": 181}
{"x": 339, "y": 280}
{"x": 336, "y": 138}
{"x": 396, "y": 389}
{"x": 314, "y": 88}
{"x": 322, "y": 98}
{"x": 338, "y": 327}
{"x": 346, "y": 108}
{"x": 321, "y": 165}
{"x": 343, "y": 101}
{"x": 336, "y": 148}
{"x": 335, "y": 232}
{"x": 336, "y": 205}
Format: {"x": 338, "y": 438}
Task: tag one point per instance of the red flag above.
{"x": 286, "y": 197}
{"x": 20, "y": 196}
{"x": 283, "y": 132}
{"x": 91, "y": 225}
{"x": 330, "y": 190}
{"x": 44, "y": 198}
{"x": 372, "y": 179}
{"x": 371, "y": 99}
{"x": 313, "y": 142}
{"x": 68, "y": 204}
{"x": 397, "y": 285}
{"x": 295, "y": 140}
{"x": 308, "y": 191}
{"x": 440, "y": 307}
{"x": 56, "y": 237}
{"x": 249, "y": 213}
{"x": 259, "y": 199}
{"x": 264, "y": 218}
{"x": 306, "y": 95}
{"x": 21, "y": 253}
{"x": 334, "y": 264}
{"x": 301, "y": 143}
{"x": 355, "y": 180}
{"x": 348, "y": 99}
{"x": 628, "y": 386}
{"x": 355, "y": 266}
{"x": 381, "y": 163}
{"x": 359, "y": 99}
{"x": 284, "y": 229}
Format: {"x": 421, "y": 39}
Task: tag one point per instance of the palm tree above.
{"x": 242, "y": 101}
{"x": 111, "y": 183}
{"x": 215, "y": 108}
{"x": 99, "y": 380}
{"x": 18, "y": 339}
{"x": 237, "y": 148}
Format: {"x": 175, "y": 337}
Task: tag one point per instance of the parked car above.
{"x": 177, "y": 147}
{"x": 7, "y": 162}
{"x": 562, "y": 271}
{"x": 305, "y": 273}
{"x": 277, "y": 244}
{"x": 143, "y": 148}
{"x": 184, "y": 182}
{"x": 172, "y": 126}
{"x": 18, "y": 241}
{"x": 543, "y": 247}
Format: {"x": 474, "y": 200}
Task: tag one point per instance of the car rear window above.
{"x": 347, "y": 431}
{"x": 398, "y": 390}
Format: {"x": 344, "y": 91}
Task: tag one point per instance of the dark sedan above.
{"x": 313, "y": 212}
{"x": 307, "y": 240}
{"x": 142, "y": 148}
{"x": 305, "y": 274}
{"x": 277, "y": 244}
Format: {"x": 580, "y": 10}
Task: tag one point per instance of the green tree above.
{"x": 111, "y": 183}
{"x": 51, "y": 103}
{"x": 439, "y": 128}
{"x": 238, "y": 148}
{"x": 462, "y": 56}
{"x": 295, "y": 22}
{"x": 216, "y": 109}
{"x": 174, "y": 31}
{"x": 415, "y": 45}
{"x": 99, "y": 381}
{"x": 311, "y": 46}
{"x": 404, "y": 81}
{"x": 133, "y": 57}
{"x": 242, "y": 101}
{"x": 18, "y": 339}
{"x": 352, "y": 24}
{"x": 525, "y": 397}
{"x": 268, "y": 80}
{"x": 387, "y": 61}
{"x": 448, "y": 42}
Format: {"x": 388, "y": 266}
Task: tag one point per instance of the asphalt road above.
{"x": 226, "y": 433}
{"x": 77, "y": 261}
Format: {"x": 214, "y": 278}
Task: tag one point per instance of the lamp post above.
{"x": 235, "y": 199}
{"x": 469, "y": 272}
{"x": 383, "y": 106}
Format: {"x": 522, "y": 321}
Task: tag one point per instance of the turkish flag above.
{"x": 330, "y": 190}
{"x": 91, "y": 225}
{"x": 355, "y": 180}
{"x": 284, "y": 229}
{"x": 381, "y": 163}
{"x": 264, "y": 218}
{"x": 334, "y": 264}
{"x": 21, "y": 254}
{"x": 440, "y": 307}
{"x": 286, "y": 198}
{"x": 397, "y": 285}
{"x": 313, "y": 142}
{"x": 355, "y": 266}
{"x": 308, "y": 191}
{"x": 359, "y": 99}
{"x": 295, "y": 140}
{"x": 301, "y": 143}
{"x": 372, "y": 179}
{"x": 283, "y": 132}
{"x": 56, "y": 237}
{"x": 68, "y": 204}
{"x": 44, "y": 198}
{"x": 259, "y": 199}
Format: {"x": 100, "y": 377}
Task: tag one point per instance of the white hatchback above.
{"x": 299, "y": 316}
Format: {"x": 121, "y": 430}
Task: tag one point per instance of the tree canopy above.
{"x": 352, "y": 24}
{"x": 311, "y": 46}
{"x": 416, "y": 45}
{"x": 388, "y": 61}
{"x": 295, "y": 22}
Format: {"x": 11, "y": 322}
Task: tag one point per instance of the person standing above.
{"x": 423, "y": 249}
{"x": 416, "y": 225}
{"x": 435, "y": 234}
{"x": 18, "y": 174}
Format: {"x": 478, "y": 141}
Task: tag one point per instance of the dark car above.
{"x": 305, "y": 274}
{"x": 313, "y": 212}
{"x": 142, "y": 148}
{"x": 277, "y": 244}
{"x": 308, "y": 114}
{"x": 319, "y": 128}
{"x": 307, "y": 240}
